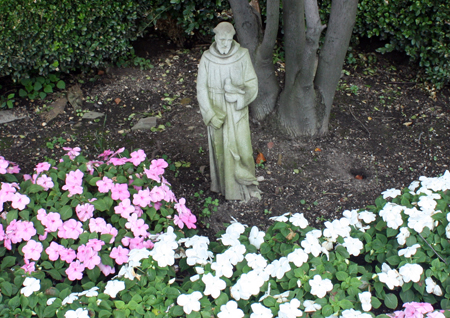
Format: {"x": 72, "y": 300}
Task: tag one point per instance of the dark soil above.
{"x": 385, "y": 131}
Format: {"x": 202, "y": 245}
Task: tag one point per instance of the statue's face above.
{"x": 224, "y": 42}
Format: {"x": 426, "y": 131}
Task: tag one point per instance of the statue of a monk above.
{"x": 226, "y": 84}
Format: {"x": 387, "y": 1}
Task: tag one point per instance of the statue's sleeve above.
{"x": 202, "y": 92}
{"x": 251, "y": 81}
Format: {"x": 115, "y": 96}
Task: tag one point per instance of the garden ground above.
{"x": 385, "y": 131}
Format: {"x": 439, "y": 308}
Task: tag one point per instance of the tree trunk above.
{"x": 260, "y": 45}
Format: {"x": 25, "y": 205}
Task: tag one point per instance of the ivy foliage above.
{"x": 42, "y": 37}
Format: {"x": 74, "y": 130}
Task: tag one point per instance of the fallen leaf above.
{"x": 260, "y": 158}
{"x": 369, "y": 118}
{"x": 100, "y": 72}
{"x": 409, "y": 123}
{"x": 117, "y": 100}
{"x": 317, "y": 149}
{"x": 279, "y": 160}
{"x": 270, "y": 145}
{"x": 291, "y": 234}
{"x": 359, "y": 177}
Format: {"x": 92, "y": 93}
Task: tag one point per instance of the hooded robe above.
{"x": 230, "y": 149}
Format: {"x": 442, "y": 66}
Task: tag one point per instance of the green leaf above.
{"x": 376, "y": 303}
{"x": 100, "y": 205}
{"x": 61, "y": 85}
{"x": 341, "y": 276}
{"x": 66, "y": 212}
{"x": 22, "y": 93}
{"x": 222, "y": 299}
{"x": 6, "y": 288}
{"x": 37, "y": 86}
{"x": 177, "y": 311}
{"x": 93, "y": 181}
{"x": 8, "y": 261}
{"x": 390, "y": 300}
{"x": 34, "y": 188}
{"x": 48, "y": 89}
{"x": 345, "y": 304}
{"x": 103, "y": 314}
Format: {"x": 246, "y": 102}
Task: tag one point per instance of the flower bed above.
{"x": 394, "y": 252}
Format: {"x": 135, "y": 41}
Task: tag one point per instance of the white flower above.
{"x": 259, "y": 311}
{"x": 366, "y": 216}
{"x": 255, "y": 260}
{"x": 427, "y": 203}
{"x": 213, "y": 285}
{"x": 222, "y": 266}
{"x": 164, "y": 252}
{"x": 126, "y": 271}
{"x": 190, "y": 302}
{"x": 311, "y": 243}
{"x": 256, "y": 237}
{"x": 50, "y": 301}
{"x": 290, "y": 310}
{"x": 319, "y": 286}
{"x": 351, "y": 313}
{"x": 311, "y": 306}
{"x": 235, "y": 253}
{"x": 337, "y": 228}
{"x": 79, "y": 313}
{"x": 198, "y": 253}
{"x": 403, "y": 235}
{"x": 232, "y": 233}
{"x": 353, "y": 245}
{"x": 419, "y": 219}
{"x": 280, "y": 218}
{"x": 280, "y": 267}
{"x": 194, "y": 278}
{"x": 113, "y": 287}
{"x": 230, "y": 310}
{"x": 299, "y": 220}
{"x": 411, "y": 272}
{"x": 391, "y": 214}
{"x": 393, "y": 193}
{"x": 248, "y": 284}
{"x": 135, "y": 255}
{"x": 366, "y": 300}
{"x": 432, "y": 287}
{"x": 413, "y": 186}
{"x": 31, "y": 285}
{"x": 90, "y": 292}
{"x": 409, "y": 251}
{"x": 390, "y": 277}
{"x": 298, "y": 257}
{"x": 70, "y": 299}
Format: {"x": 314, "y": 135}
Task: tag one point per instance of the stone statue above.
{"x": 226, "y": 84}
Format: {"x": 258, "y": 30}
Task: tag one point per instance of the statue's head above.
{"x": 224, "y": 33}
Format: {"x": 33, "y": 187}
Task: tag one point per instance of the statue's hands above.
{"x": 216, "y": 122}
{"x": 231, "y": 91}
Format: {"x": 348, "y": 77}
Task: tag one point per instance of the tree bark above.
{"x": 332, "y": 55}
{"x": 260, "y": 45}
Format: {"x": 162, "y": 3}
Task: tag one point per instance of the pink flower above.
{"x": 109, "y": 229}
{"x": 67, "y": 254}
{"x": 2, "y": 233}
{"x": 169, "y": 196}
{"x": 95, "y": 244}
{"x": 52, "y": 222}
{"x": 104, "y": 185}
{"x": 416, "y": 310}
{"x": 88, "y": 256}
{"x": 118, "y": 161}
{"x": 70, "y": 229}
{"x": 32, "y": 250}
{"x": 189, "y": 220}
{"x": 3, "y": 165}
{"x": 136, "y": 243}
{"x": 157, "y": 194}
{"x": 142, "y": 198}
{"x": 84, "y": 211}
{"x": 28, "y": 267}
{"x": 53, "y": 251}
{"x": 19, "y": 201}
{"x": 120, "y": 191}
{"x": 148, "y": 244}
{"x": 45, "y": 182}
{"x": 90, "y": 165}
{"x": 26, "y": 230}
{"x": 106, "y": 269}
{"x": 177, "y": 221}
{"x": 97, "y": 225}
{"x": 74, "y": 180}
{"x": 105, "y": 154}
{"x": 13, "y": 232}
{"x": 138, "y": 211}
{"x": 75, "y": 271}
{"x": 124, "y": 208}
{"x": 120, "y": 254}
{"x": 13, "y": 168}
{"x": 137, "y": 226}
{"x": 72, "y": 152}
{"x": 137, "y": 157}
{"x": 43, "y": 166}
{"x": 152, "y": 174}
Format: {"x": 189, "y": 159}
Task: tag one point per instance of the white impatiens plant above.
{"x": 396, "y": 251}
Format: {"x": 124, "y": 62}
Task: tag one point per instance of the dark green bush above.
{"x": 421, "y": 29}
{"x": 40, "y": 37}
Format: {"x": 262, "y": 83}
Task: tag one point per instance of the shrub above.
{"x": 396, "y": 251}
{"x": 418, "y": 28}
{"x": 40, "y": 37}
